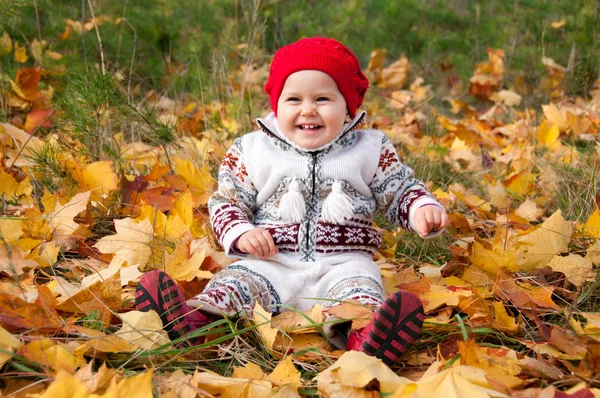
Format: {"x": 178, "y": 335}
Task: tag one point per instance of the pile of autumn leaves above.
{"x": 511, "y": 265}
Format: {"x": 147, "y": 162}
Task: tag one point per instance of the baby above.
{"x": 295, "y": 203}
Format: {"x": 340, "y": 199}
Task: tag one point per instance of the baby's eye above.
{"x": 294, "y": 99}
{"x": 322, "y": 99}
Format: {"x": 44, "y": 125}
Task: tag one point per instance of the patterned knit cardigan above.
{"x": 259, "y": 167}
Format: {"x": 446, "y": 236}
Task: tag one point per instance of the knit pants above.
{"x": 284, "y": 282}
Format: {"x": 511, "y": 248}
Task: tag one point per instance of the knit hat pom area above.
{"x": 322, "y": 54}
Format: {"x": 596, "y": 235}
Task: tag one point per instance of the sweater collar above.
{"x": 270, "y": 126}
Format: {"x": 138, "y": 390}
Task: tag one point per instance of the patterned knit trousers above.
{"x": 284, "y": 282}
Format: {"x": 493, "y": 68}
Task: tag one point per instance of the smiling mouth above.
{"x": 309, "y": 127}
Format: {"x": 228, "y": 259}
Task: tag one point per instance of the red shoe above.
{"x": 157, "y": 291}
{"x": 394, "y": 328}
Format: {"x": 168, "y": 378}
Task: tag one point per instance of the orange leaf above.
{"x": 35, "y": 119}
{"x": 525, "y": 295}
{"x": 66, "y": 34}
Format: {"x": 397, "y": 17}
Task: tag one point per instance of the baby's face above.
{"x": 311, "y": 109}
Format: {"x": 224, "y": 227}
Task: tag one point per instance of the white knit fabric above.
{"x": 259, "y": 167}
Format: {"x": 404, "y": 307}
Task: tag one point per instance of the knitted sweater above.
{"x": 260, "y": 167}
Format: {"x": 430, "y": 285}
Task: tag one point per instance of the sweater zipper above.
{"x": 312, "y": 194}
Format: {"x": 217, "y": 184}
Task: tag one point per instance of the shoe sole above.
{"x": 392, "y": 333}
{"x": 168, "y": 303}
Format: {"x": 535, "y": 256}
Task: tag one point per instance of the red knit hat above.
{"x": 325, "y": 55}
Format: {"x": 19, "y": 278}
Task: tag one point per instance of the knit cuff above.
{"x": 417, "y": 204}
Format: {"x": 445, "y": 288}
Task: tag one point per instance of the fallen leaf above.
{"x": 354, "y": 372}
{"x": 8, "y": 345}
{"x": 438, "y": 296}
{"x": 576, "y": 268}
{"x": 52, "y": 355}
{"x": 537, "y": 248}
{"x": 94, "y": 381}
{"x": 591, "y": 228}
{"x": 395, "y": 76}
{"x": 529, "y": 211}
{"x": 508, "y": 97}
{"x": 376, "y": 60}
{"x": 502, "y": 321}
{"x": 524, "y": 295}
{"x": 65, "y": 384}
{"x": 355, "y": 311}
{"x": 229, "y": 387}
{"x": 20, "y": 53}
{"x": 454, "y": 382}
{"x": 547, "y": 133}
{"x": 10, "y": 230}
{"x": 262, "y": 320}
{"x": 130, "y": 244}
{"x": 300, "y": 322}
{"x": 144, "y": 329}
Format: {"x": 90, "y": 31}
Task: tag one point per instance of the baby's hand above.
{"x": 257, "y": 242}
{"x": 430, "y": 218}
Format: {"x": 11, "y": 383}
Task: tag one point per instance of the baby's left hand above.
{"x": 428, "y": 219}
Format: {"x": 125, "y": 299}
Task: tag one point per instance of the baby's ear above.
{"x": 348, "y": 118}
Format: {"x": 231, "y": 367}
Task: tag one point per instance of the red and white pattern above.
{"x": 225, "y": 218}
{"x": 333, "y": 238}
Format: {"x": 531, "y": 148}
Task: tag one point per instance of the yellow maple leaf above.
{"x": 284, "y": 374}
{"x": 8, "y": 345}
{"x": 138, "y": 386}
{"x": 537, "y": 248}
{"x": 438, "y": 296}
{"x": 144, "y": 329}
{"x": 10, "y": 230}
{"x": 521, "y": 183}
{"x": 299, "y": 321}
{"x": 13, "y": 190}
{"x": 183, "y": 206}
{"x": 395, "y": 76}
{"x": 61, "y": 219}
{"x": 51, "y": 354}
{"x": 577, "y": 269}
{"x": 591, "y": 228}
{"x": 66, "y": 385}
{"x": 377, "y": 59}
{"x": 493, "y": 260}
{"x": 498, "y": 196}
{"x": 500, "y": 364}
{"x": 502, "y": 321}
{"x": 529, "y": 210}
{"x": 181, "y": 268}
{"x": 593, "y": 253}
{"x": 455, "y": 382}
{"x": 20, "y": 53}
{"x": 556, "y": 116}
{"x": 45, "y": 254}
{"x": 507, "y": 97}
{"x": 200, "y": 181}
{"x": 100, "y": 379}
{"x": 230, "y": 387}
{"x": 131, "y": 243}
{"x": 548, "y": 133}
{"x": 262, "y": 320}
{"x": 13, "y": 262}
{"x": 100, "y": 178}
{"x": 353, "y": 372}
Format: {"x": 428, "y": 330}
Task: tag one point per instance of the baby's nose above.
{"x": 308, "y": 110}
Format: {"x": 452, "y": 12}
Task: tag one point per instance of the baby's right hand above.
{"x": 257, "y": 242}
